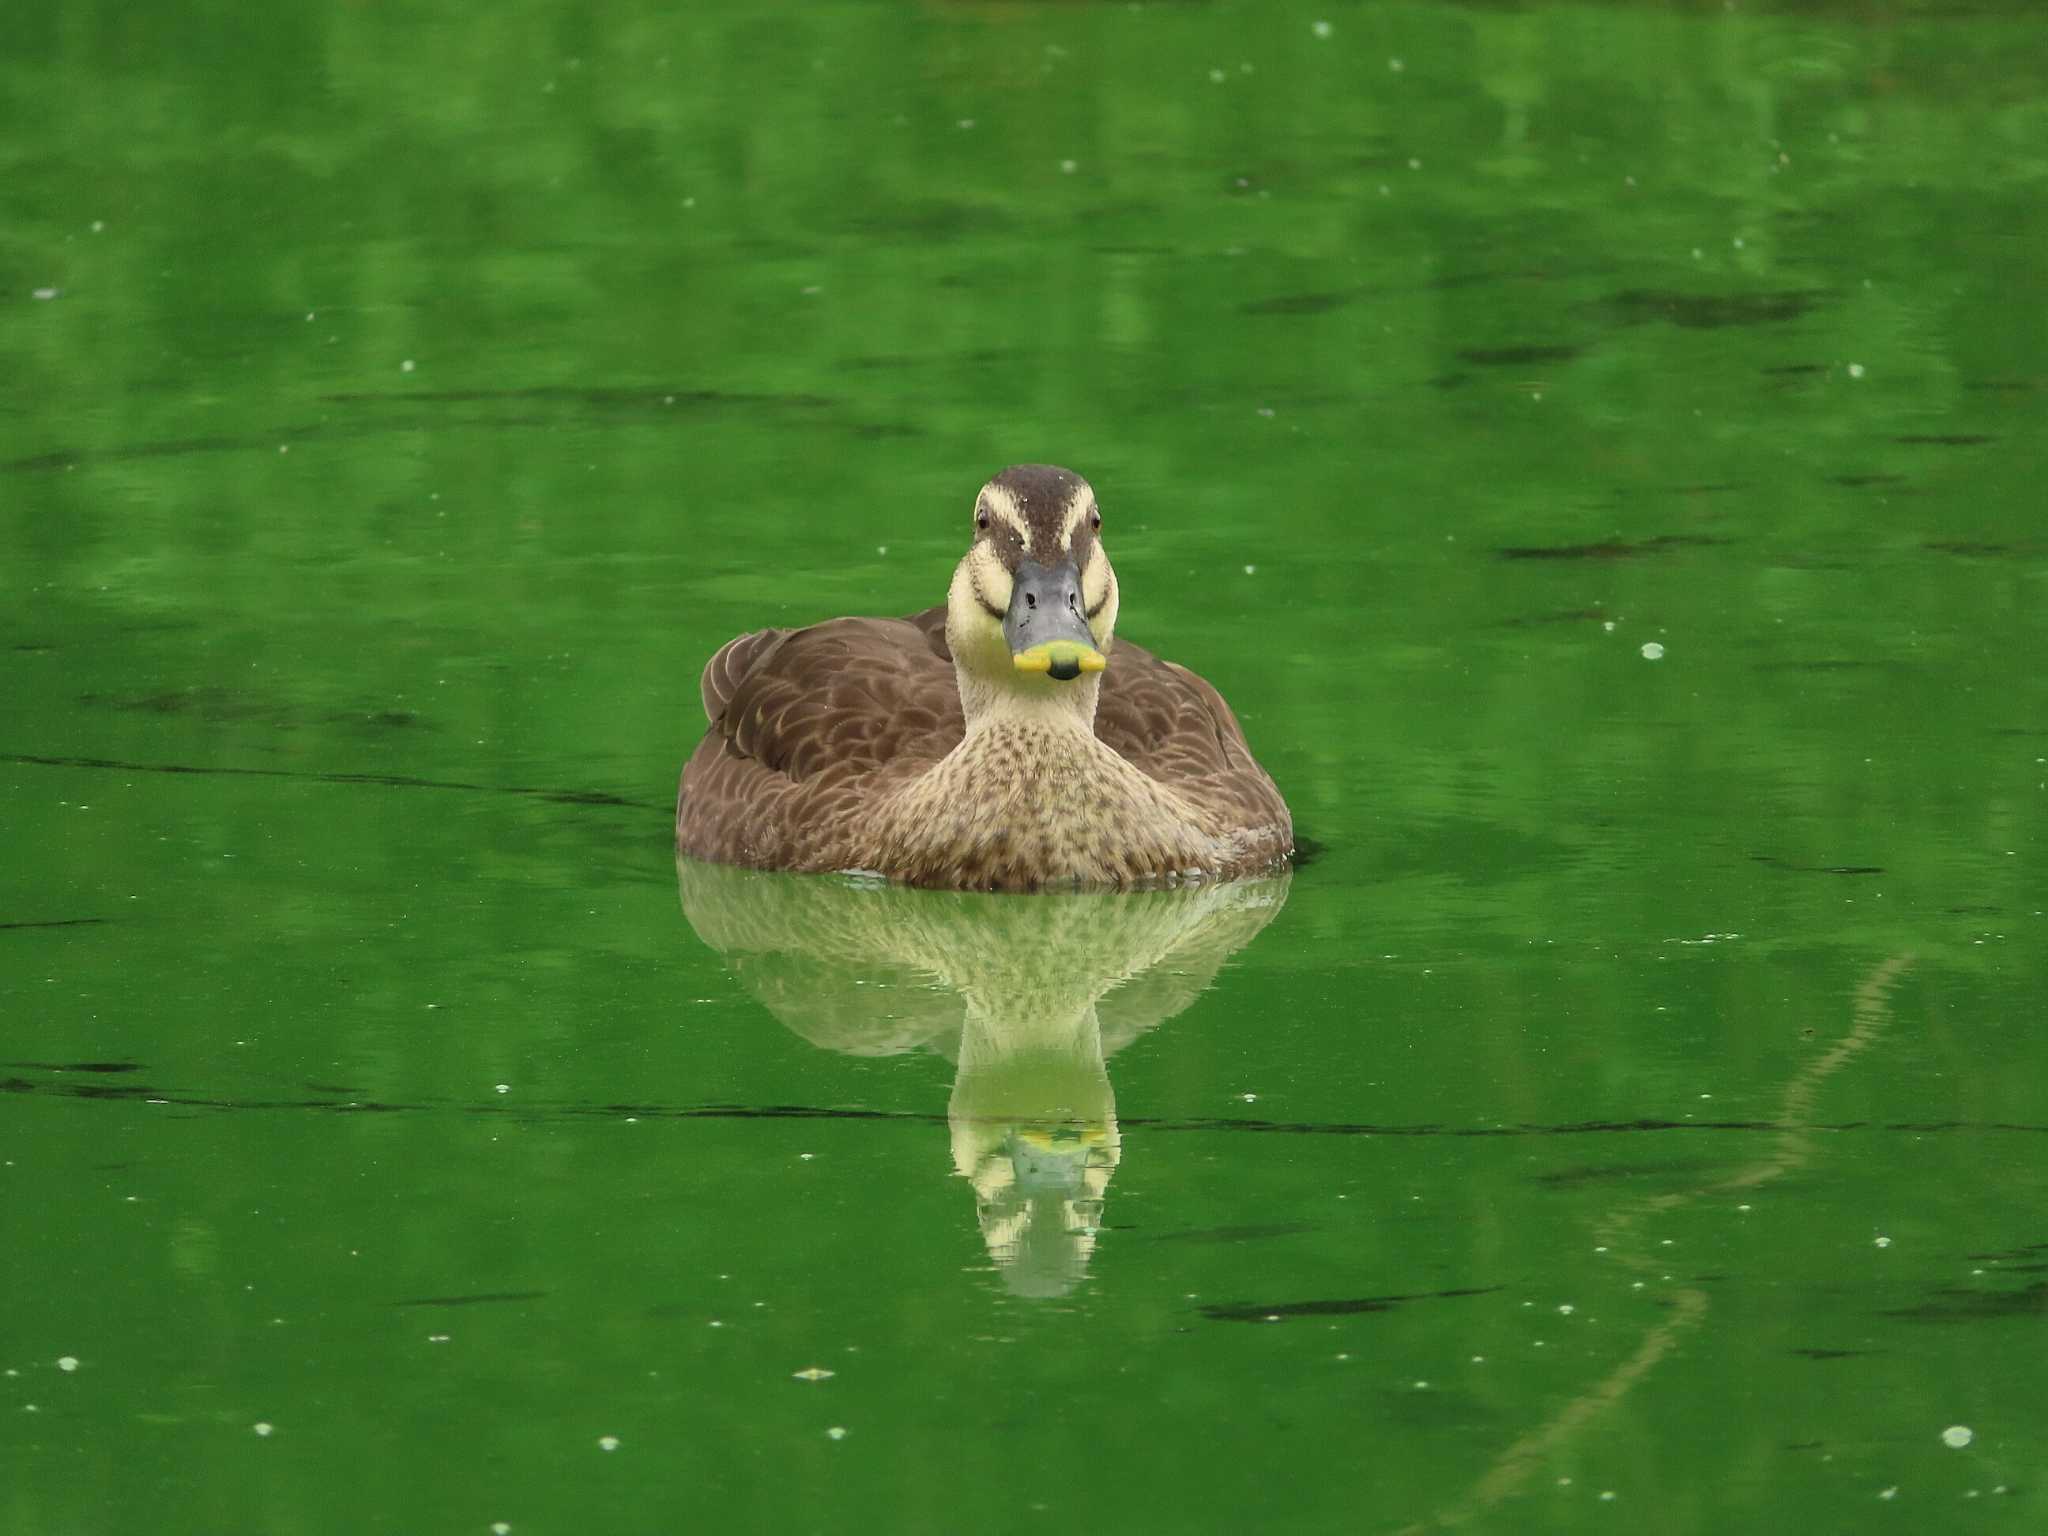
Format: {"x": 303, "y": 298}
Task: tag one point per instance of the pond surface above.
{"x": 1597, "y": 449}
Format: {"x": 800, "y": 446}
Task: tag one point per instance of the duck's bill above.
{"x": 1045, "y": 627}
{"x": 1063, "y": 659}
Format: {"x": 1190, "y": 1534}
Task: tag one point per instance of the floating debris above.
{"x": 1652, "y": 651}
{"x": 1956, "y": 1436}
{"x": 607, "y": 1442}
{"x": 812, "y": 1373}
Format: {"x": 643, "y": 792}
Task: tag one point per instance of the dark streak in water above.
{"x": 652, "y": 396}
{"x": 1816, "y": 869}
{"x": 1946, "y": 439}
{"x": 1710, "y": 311}
{"x": 1857, "y": 482}
{"x": 1567, "y": 1178}
{"x": 1297, "y": 304}
{"x": 1505, "y": 357}
{"x": 1256, "y": 1312}
{"x": 2025, "y": 1251}
{"x": 1792, "y": 370}
{"x": 1561, "y": 616}
{"x": 380, "y": 780}
{"x": 75, "y": 1066}
{"x": 1954, "y": 1305}
{"x": 478, "y": 1299}
{"x": 57, "y": 922}
{"x": 1199, "y": 1126}
{"x": 1612, "y": 549}
{"x": 1832, "y": 1354}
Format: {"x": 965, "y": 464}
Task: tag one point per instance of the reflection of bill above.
{"x": 1028, "y": 995}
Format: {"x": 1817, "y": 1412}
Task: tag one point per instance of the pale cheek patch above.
{"x": 991, "y": 581}
{"x": 1096, "y": 580}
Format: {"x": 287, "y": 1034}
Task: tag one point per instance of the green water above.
{"x": 1640, "y": 1092}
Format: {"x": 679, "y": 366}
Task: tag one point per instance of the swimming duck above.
{"x": 1002, "y": 741}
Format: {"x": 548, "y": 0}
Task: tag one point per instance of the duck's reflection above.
{"x": 1027, "y": 995}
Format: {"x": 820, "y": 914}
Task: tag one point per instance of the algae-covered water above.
{"x": 1597, "y": 450}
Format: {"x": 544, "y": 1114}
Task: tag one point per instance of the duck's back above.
{"x": 807, "y": 727}
{"x": 811, "y": 730}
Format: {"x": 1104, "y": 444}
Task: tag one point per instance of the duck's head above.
{"x": 1033, "y": 603}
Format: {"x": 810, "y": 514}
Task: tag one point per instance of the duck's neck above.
{"x": 1034, "y": 704}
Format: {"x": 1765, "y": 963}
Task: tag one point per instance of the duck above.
{"x": 1005, "y": 740}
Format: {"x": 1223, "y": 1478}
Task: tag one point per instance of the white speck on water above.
{"x": 689, "y": 202}
{"x": 1249, "y": 1098}
{"x": 1422, "y": 1386}
{"x": 438, "y": 1338}
{"x": 284, "y": 447}
{"x": 607, "y": 1442}
{"x": 70, "y": 1363}
{"x": 1564, "y": 1482}
{"x": 1414, "y": 164}
{"x": 1888, "y": 1493}
{"x": 836, "y": 1432}
{"x": 1565, "y": 1309}
{"x": 715, "y": 1323}
{"x": 1266, "y": 411}
{"x": 1742, "y": 1207}
{"x": 501, "y": 1528}
{"x": 1956, "y": 1436}
{"x": 1652, "y": 651}
{"x": 1607, "y": 1495}
{"x": 263, "y": 1430}
{"x": 46, "y": 293}
{"x": 1883, "y": 1242}
{"x": 805, "y": 1157}
{"x": 1396, "y": 65}
{"x": 98, "y": 225}
{"x": 1216, "y": 77}
{"x": 407, "y": 366}
{"x": 1068, "y": 167}
{"x": 504, "y": 1087}
{"x": 30, "y": 1408}
{"x": 1608, "y": 625}
{"x": 966, "y": 122}
{"x": 1855, "y": 370}
{"x": 813, "y": 1373}
{"x": 812, "y": 289}
{"x": 1479, "y": 1359}
{"x": 1251, "y": 570}
{"x": 881, "y": 549}
{"x": 1320, "y": 28}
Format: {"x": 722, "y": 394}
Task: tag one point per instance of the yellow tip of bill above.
{"x": 1060, "y": 658}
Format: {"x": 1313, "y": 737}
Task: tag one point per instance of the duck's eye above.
{"x": 1095, "y": 519}
{"x": 981, "y": 521}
